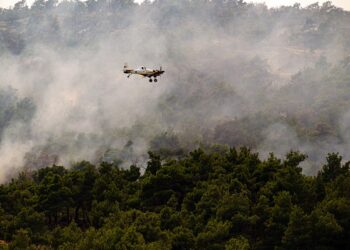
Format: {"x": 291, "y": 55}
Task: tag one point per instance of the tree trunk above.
{"x": 56, "y": 218}
{"x": 77, "y": 214}
{"x": 68, "y": 215}
{"x": 86, "y": 216}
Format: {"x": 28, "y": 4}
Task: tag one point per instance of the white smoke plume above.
{"x": 220, "y": 69}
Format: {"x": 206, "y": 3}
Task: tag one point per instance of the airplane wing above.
{"x": 155, "y": 74}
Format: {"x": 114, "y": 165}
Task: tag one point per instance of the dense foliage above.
{"x": 217, "y": 198}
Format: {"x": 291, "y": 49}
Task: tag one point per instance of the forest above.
{"x": 214, "y": 198}
{"x": 242, "y": 144}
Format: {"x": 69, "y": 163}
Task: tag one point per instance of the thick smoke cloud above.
{"x": 228, "y": 69}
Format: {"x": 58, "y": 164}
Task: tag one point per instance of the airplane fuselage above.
{"x": 143, "y": 71}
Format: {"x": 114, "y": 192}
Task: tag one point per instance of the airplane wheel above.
{"x": 155, "y": 80}
{"x": 150, "y": 80}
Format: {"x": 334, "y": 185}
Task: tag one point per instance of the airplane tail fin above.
{"x": 127, "y": 70}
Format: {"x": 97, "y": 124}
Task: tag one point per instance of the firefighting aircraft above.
{"x": 143, "y": 71}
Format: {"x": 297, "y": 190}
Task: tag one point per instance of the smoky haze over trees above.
{"x": 236, "y": 73}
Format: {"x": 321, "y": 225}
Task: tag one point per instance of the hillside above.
{"x": 236, "y": 73}
{"x": 243, "y": 143}
{"x": 215, "y": 199}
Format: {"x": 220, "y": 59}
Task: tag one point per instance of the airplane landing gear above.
{"x": 155, "y": 80}
{"x": 150, "y": 80}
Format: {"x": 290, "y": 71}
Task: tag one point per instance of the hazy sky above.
{"x": 341, "y": 3}
{"x": 345, "y": 4}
